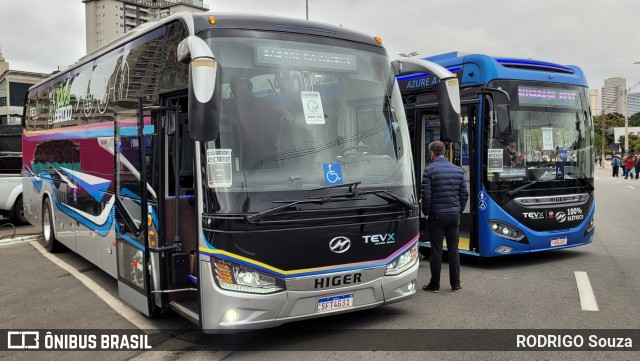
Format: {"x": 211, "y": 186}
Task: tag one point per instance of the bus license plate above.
{"x": 558, "y": 241}
{"x": 335, "y": 303}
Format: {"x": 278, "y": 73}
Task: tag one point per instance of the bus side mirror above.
{"x": 503, "y": 118}
{"x": 448, "y": 95}
{"x": 447, "y": 92}
{"x": 204, "y": 100}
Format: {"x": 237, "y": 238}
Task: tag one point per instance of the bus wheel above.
{"x": 48, "y": 236}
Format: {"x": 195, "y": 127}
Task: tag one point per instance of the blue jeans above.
{"x": 440, "y": 226}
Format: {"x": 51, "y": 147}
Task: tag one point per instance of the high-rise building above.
{"x": 109, "y": 19}
{"x": 614, "y": 96}
{"x": 13, "y": 89}
{"x": 593, "y": 101}
{"x": 633, "y": 102}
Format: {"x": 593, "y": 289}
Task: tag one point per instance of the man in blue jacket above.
{"x": 444, "y": 196}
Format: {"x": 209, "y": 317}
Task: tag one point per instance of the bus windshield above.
{"x": 550, "y": 137}
{"x": 300, "y": 113}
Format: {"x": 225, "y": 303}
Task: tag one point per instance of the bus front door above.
{"x": 427, "y": 126}
{"x": 133, "y": 206}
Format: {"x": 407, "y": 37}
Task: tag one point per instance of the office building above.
{"x": 633, "y": 103}
{"x": 593, "y": 101}
{"x": 109, "y": 19}
{"x": 614, "y": 96}
{"x": 13, "y": 89}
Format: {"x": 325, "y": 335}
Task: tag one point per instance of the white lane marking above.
{"x": 632, "y": 187}
{"x": 587, "y": 298}
{"x": 131, "y": 315}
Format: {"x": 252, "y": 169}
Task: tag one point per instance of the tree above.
{"x": 634, "y": 120}
{"x": 610, "y": 121}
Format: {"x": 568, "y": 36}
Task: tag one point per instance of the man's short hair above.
{"x": 437, "y": 148}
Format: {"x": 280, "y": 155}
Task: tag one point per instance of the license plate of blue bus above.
{"x": 558, "y": 241}
{"x": 335, "y": 303}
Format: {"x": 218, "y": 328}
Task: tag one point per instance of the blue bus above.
{"x": 526, "y": 147}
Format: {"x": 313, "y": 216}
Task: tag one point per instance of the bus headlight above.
{"x": 234, "y": 277}
{"x": 403, "y": 262}
{"x": 504, "y": 230}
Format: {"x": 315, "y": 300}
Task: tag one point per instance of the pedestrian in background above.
{"x": 636, "y": 165}
{"x": 615, "y": 164}
{"x": 444, "y": 196}
{"x": 628, "y": 166}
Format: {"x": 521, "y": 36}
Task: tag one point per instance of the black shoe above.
{"x": 431, "y": 288}
{"x": 456, "y": 289}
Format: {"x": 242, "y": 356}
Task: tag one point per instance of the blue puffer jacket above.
{"x": 443, "y": 188}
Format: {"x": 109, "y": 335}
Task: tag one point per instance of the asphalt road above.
{"x": 537, "y": 291}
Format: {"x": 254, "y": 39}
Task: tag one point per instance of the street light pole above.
{"x": 307, "y": 2}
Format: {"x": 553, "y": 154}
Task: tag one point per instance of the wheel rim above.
{"x": 46, "y": 224}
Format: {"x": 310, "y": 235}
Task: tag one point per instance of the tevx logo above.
{"x": 379, "y": 239}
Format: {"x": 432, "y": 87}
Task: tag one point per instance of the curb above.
{"x": 16, "y": 240}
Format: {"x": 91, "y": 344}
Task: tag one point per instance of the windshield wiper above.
{"x": 379, "y": 192}
{"x": 516, "y": 190}
{"x": 353, "y": 186}
{"x": 586, "y": 179}
{"x": 253, "y": 218}
{"x": 354, "y": 192}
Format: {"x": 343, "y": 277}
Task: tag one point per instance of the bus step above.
{"x": 187, "y": 309}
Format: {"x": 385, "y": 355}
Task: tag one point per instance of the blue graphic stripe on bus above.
{"x": 133, "y": 131}
{"x": 192, "y": 279}
{"x": 127, "y": 238}
{"x": 37, "y": 180}
{"x": 125, "y": 192}
{"x": 154, "y": 217}
{"x": 96, "y": 187}
{"x": 100, "y": 229}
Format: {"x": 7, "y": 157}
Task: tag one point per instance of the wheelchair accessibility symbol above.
{"x": 332, "y": 173}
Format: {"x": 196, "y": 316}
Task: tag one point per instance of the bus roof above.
{"x": 481, "y": 69}
{"x": 198, "y": 22}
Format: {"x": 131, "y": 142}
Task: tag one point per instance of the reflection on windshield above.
{"x": 551, "y": 137}
{"x": 302, "y": 116}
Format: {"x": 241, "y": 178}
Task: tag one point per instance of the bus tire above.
{"x": 48, "y": 235}
{"x": 18, "y": 211}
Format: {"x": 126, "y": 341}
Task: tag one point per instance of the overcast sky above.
{"x": 601, "y": 36}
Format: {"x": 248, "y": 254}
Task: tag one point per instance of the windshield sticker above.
{"x": 332, "y": 173}
{"x": 312, "y": 105}
{"x": 219, "y": 170}
{"x": 495, "y": 160}
{"x": 547, "y": 138}
{"x": 559, "y": 171}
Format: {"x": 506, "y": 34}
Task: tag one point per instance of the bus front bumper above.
{"x": 226, "y": 311}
